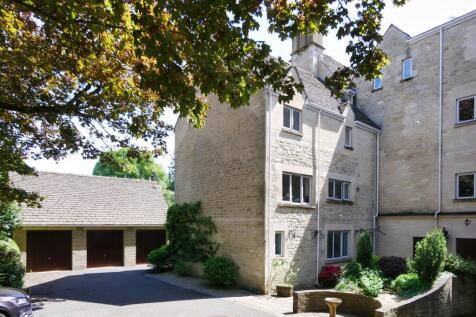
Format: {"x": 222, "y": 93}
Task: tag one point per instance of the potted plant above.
{"x": 285, "y": 289}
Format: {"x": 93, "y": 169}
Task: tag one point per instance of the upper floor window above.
{"x": 348, "y": 137}
{"x": 465, "y": 185}
{"x": 292, "y": 119}
{"x": 337, "y": 244}
{"x": 296, "y": 188}
{"x": 407, "y": 71}
{"x": 378, "y": 83}
{"x": 466, "y": 109}
{"x": 338, "y": 190}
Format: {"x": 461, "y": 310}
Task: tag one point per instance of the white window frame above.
{"x": 409, "y": 59}
{"x": 375, "y": 83}
{"x": 457, "y": 109}
{"x": 457, "y": 185}
{"x": 291, "y": 119}
{"x": 342, "y": 190}
{"x": 281, "y": 233}
{"x": 348, "y": 129}
{"x": 301, "y": 198}
{"x": 341, "y": 232}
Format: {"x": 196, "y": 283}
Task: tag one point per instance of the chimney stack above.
{"x": 307, "y": 52}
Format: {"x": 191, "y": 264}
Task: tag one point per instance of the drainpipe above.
{"x": 440, "y": 129}
{"x": 318, "y": 193}
{"x": 377, "y": 182}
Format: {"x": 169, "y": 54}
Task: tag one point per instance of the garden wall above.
{"x": 464, "y": 296}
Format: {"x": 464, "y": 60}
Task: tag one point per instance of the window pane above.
{"x": 337, "y": 250}
{"x": 286, "y": 194}
{"x": 329, "y": 245}
{"x": 278, "y": 243}
{"x": 466, "y": 109}
{"x": 296, "y": 120}
{"x": 407, "y": 68}
{"x": 348, "y": 136}
{"x": 466, "y": 185}
{"x": 378, "y": 83}
{"x": 306, "y": 185}
{"x": 287, "y": 117}
{"x": 345, "y": 244}
{"x": 296, "y": 188}
{"x": 331, "y": 189}
{"x": 338, "y": 190}
{"x": 346, "y": 191}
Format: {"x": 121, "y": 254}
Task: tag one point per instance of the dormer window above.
{"x": 378, "y": 84}
{"x": 292, "y": 119}
{"x": 407, "y": 68}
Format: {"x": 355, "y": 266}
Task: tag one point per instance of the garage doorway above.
{"x": 48, "y": 250}
{"x": 105, "y": 248}
{"x": 146, "y": 241}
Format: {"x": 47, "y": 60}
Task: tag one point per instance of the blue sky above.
{"x": 414, "y": 18}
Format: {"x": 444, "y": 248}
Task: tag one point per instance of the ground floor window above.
{"x": 337, "y": 244}
{"x": 466, "y": 248}
{"x": 279, "y": 243}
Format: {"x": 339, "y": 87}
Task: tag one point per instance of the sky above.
{"x": 414, "y": 18}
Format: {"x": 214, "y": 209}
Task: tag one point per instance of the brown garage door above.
{"x": 466, "y": 248}
{"x": 48, "y": 250}
{"x": 146, "y": 241}
{"x": 105, "y": 248}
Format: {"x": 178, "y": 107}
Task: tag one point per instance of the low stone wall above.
{"x": 313, "y": 301}
{"x": 464, "y": 296}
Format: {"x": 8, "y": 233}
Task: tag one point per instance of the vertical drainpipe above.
{"x": 318, "y": 198}
{"x": 267, "y": 234}
{"x": 377, "y": 184}
{"x": 440, "y": 117}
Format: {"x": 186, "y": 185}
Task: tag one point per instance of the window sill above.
{"x": 339, "y": 260}
{"x": 341, "y": 202}
{"x": 376, "y": 89}
{"x": 292, "y": 132}
{"x": 295, "y": 205}
{"x": 350, "y": 148}
{"x": 406, "y": 79}
{"x": 461, "y": 200}
{"x": 464, "y": 123}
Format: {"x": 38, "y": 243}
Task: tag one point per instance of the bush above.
{"x": 11, "y": 268}
{"x": 430, "y": 255}
{"x": 348, "y": 285}
{"x": 220, "y": 271}
{"x": 329, "y": 275}
{"x": 408, "y": 285}
{"x": 160, "y": 258}
{"x": 181, "y": 268}
{"x": 364, "y": 249}
{"x": 352, "y": 270}
{"x": 459, "y": 265}
{"x": 392, "y": 266}
{"x": 370, "y": 282}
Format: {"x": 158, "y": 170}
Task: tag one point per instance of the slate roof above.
{"x": 77, "y": 200}
{"x": 362, "y": 117}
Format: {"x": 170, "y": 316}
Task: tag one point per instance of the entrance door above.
{"x": 146, "y": 241}
{"x": 105, "y": 248}
{"x": 466, "y": 248}
{"x": 48, "y": 250}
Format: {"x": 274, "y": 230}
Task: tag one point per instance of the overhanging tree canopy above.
{"x": 77, "y": 74}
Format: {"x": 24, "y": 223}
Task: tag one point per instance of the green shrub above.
{"x": 181, "y": 268}
{"x": 370, "y": 282}
{"x": 348, "y": 285}
{"x": 352, "y": 270}
{"x": 408, "y": 285}
{"x": 430, "y": 255}
{"x": 460, "y": 266}
{"x": 392, "y": 266}
{"x": 11, "y": 268}
{"x": 364, "y": 249}
{"x": 160, "y": 258}
{"x": 220, "y": 271}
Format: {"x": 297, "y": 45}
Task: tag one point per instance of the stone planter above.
{"x": 284, "y": 290}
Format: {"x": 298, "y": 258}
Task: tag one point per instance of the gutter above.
{"x": 440, "y": 128}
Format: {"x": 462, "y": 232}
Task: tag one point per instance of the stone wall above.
{"x": 464, "y": 296}
{"x": 79, "y": 249}
{"x": 222, "y": 165}
{"x": 129, "y": 247}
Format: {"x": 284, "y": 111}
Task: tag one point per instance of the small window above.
{"x": 378, "y": 83}
{"x": 466, "y": 109}
{"x": 296, "y": 188}
{"x": 337, "y": 244}
{"x": 465, "y": 186}
{"x": 338, "y": 190}
{"x": 407, "y": 68}
{"x": 292, "y": 119}
{"x": 348, "y": 137}
{"x": 278, "y": 243}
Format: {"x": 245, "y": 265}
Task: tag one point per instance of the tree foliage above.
{"x": 77, "y": 76}
{"x": 430, "y": 255}
{"x": 364, "y": 249}
{"x": 9, "y": 219}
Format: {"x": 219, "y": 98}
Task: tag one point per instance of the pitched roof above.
{"x": 78, "y": 200}
{"x": 362, "y": 117}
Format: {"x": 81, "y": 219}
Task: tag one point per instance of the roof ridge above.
{"x": 97, "y": 176}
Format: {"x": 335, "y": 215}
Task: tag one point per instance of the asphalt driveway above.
{"x": 122, "y": 292}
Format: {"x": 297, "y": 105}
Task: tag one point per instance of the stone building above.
{"x": 291, "y": 186}
{"x": 425, "y": 106}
